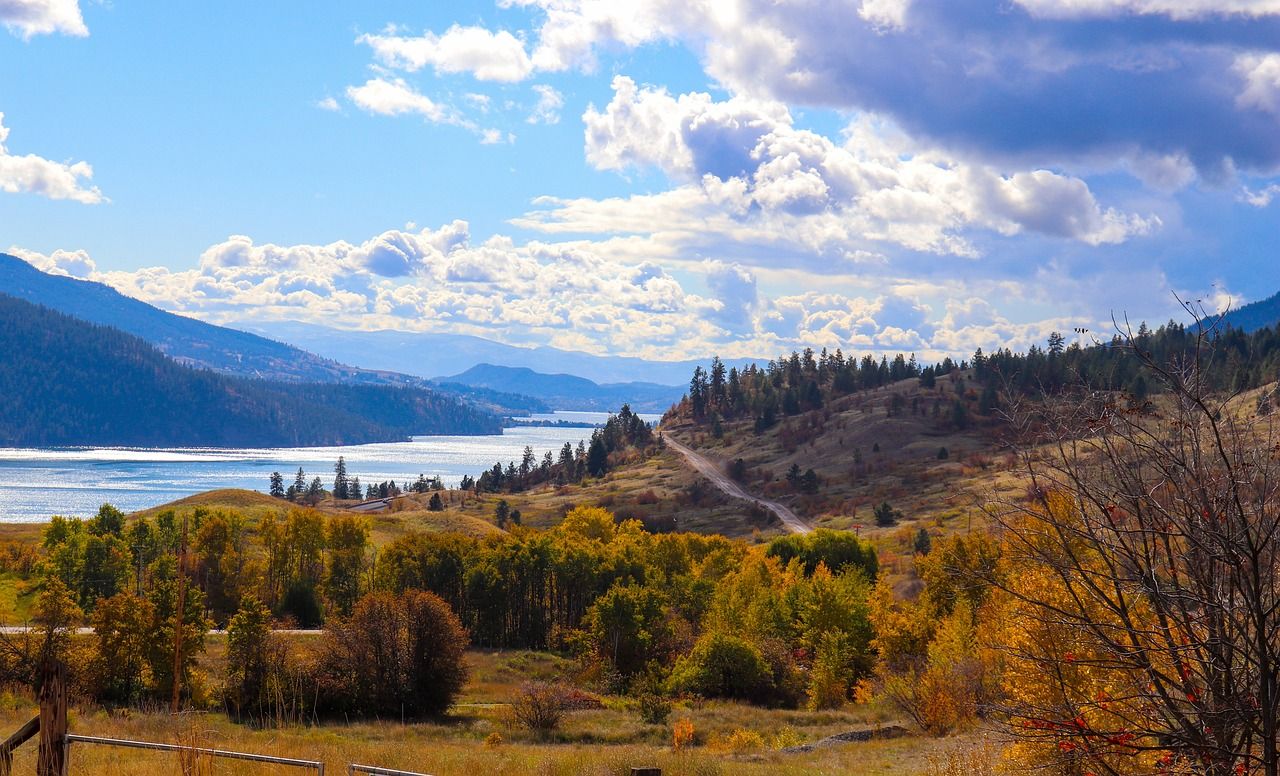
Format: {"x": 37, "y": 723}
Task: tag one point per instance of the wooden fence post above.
{"x": 53, "y": 719}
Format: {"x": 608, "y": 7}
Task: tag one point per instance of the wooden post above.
{"x": 53, "y": 719}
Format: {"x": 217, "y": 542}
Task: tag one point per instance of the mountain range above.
{"x": 429, "y": 354}
{"x": 564, "y": 391}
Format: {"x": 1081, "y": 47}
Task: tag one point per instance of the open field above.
{"x": 477, "y": 738}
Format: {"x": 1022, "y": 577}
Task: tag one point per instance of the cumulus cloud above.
{"x": 35, "y": 175}
{"x": 28, "y": 18}
{"x": 1261, "y": 75}
{"x": 748, "y": 174}
{"x": 489, "y": 56}
{"x": 75, "y": 264}
{"x": 1045, "y": 81}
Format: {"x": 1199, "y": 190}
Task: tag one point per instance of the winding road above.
{"x": 793, "y": 522}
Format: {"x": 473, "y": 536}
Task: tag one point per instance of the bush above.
{"x": 654, "y": 709}
{"x": 395, "y": 656}
{"x": 539, "y": 706}
{"x": 723, "y": 666}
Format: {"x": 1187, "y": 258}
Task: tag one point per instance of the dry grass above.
{"x": 477, "y": 738}
{"x": 249, "y": 501}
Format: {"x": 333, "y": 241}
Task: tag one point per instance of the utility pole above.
{"x": 178, "y": 617}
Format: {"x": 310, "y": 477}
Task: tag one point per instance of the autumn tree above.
{"x": 1145, "y": 579}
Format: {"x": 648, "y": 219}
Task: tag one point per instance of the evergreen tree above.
{"x": 597, "y": 457}
{"x": 886, "y": 515}
{"x": 277, "y": 485}
{"x": 340, "y": 479}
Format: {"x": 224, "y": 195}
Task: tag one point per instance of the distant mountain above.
{"x": 186, "y": 340}
{"x": 433, "y": 355}
{"x": 69, "y": 382}
{"x": 563, "y": 391}
{"x": 1256, "y": 315}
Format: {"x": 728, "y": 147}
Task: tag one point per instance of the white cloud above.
{"x": 69, "y": 263}
{"x": 1176, "y": 9}
{"x": 1261, "y": 74}
{"x": 35, "y": 175}
{"x": 28, "y": 18}
{"x": 489, "y": 56}
{"x": 1262, "y": 197}
{"x": 748, "y": 175}
{"x": 885, "y": 14}
{"x": 550, "y": 101}
{"x": 329, "y": 104}
{"x": 395, "y": 98}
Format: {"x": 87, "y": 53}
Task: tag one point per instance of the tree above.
{"x": 277, "y": 485}
{"x": 628, "y": 627}
{"x": 1144, "y": 578}
{"x": 299, "y": 488}
{"x": 122, "y": 628}
{"x": 922, "y": 543}
{"x": 436, "y": 504}
{"x": 597, "y": 457}
{"x": 248, "y": 658}
{"x": 886, "y": 515}
{"x": 396, "y": 656}
{"x": 501, "y": 512}
{"x": 347, "y": 539}
{"x": 340, "y": 479}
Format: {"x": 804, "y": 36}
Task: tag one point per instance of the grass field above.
{"x": 477, "y": 739}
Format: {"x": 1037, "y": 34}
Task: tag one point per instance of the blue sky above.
{"x": 664, "y": 179}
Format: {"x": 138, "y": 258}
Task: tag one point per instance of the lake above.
{"x": 39, "y": 483}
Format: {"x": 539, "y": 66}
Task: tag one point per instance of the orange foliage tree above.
{"x": 1141, "y": 604}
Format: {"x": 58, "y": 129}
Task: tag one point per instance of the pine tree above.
{"x": 597, "y": 457}
{"x": 277, "y": 485}
{"x": 340, "y": 479}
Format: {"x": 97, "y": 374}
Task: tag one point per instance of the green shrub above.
{"x": 723, "y": 666}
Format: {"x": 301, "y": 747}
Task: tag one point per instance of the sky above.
{"x": 657, "y": 179}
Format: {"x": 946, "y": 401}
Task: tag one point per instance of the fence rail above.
{"x": 373, "y": 770}
{"x": 23, "y": 734}
{"x": 314, "y": 765}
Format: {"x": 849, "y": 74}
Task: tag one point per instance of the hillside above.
{"x": 568, "y": 392}
{"x": 1256, "y": 315}
{"x": 68, "y": 382}
{"x": 186, "y": 340}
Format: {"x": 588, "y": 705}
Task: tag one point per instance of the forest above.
{"x": 67, "y": 382}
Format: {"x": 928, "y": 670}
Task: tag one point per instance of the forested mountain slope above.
{"x": 69, "y": 382}
{"x": 184, "y": 339}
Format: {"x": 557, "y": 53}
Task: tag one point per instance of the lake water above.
{"x": 39, "y": 483}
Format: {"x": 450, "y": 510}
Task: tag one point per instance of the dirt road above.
{"x": 711, "y": 471}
